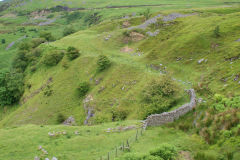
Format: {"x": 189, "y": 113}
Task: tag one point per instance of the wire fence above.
{"x": 124, "y": 146}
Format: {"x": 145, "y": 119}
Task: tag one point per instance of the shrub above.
{"x": 47, "y": 36}
{"x": 37, "y": 41}
{"x": 20, "y": 61}
{"x": 25, "y": 46}
{"x": 73, "y": 16}
{"x": 60, "y": 118}
{"x": 50, "y": 16}
{"x": 92, "y": 18}
{"x": 119, "y": 114}
{"x": 53, "y": 58}
{"x": 159, "y": 95}
{"x": 216, "y": 31}
{"x": 83, "y": 88}
{"x": 230, "y": 155}
{"x": 147, "y": 14}
{"x": 3, "y": 41}
{"x": 11, "y": 87}
{"x": 68, "y": 31}
{"x": 205, "y": 156}
{"x": 72, "y": 53}
{"x": 48, "y": 91}
{"x": 103, "y": 63}
{"x": 165, "y": 151}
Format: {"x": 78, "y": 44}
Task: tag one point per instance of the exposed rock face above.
{"x": 166, "y": 117}
{"x": 88, "y": 108}
{"x": 70, "y": 121}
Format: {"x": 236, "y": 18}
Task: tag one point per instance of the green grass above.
{"x": 189, "y": 38}
{"x": 91, "y": 142}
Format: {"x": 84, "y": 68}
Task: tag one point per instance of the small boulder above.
{"x": 201, "y": 60}
{"x": 70, "y": 121}
{"x": 36, "y": 158}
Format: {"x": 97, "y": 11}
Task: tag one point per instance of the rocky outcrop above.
{"x": 88, "y": 108}
{"x": 70, "y": 121}
{"x": 166, "y": 117}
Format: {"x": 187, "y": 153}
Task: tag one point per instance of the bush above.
{"x": 83, "y": 88}
{"x": 11, "y": 87}
{"x": 72, "y": 53}
{"x": 3, "y": 41}
{"x": 147, "y": 14}
{"x": 205, "y": 156}
{"x": 216, "y": 31}
{"x": 73, "y": 16}
{"x": 101, "y": 117}
{"x": 119, "y": 114}
{"x": 53, "y": 58}
{"x": 159, "y": 95}
{"x": 60, "y": 118}
{"x": 47, "y": 36}
{"x": 50, "y": 16}
{"x": 165, "y": 151}
{"x": 20, "y": 62}
{"x": 68, "y": 30}
{"x": 48, "y": 91}
{"x": 25, "y": 46}
{"x": 37, "y": 41}
{"x": 92, "y": 18}
{"x": 103, "y": 63}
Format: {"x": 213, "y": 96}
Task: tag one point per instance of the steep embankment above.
{"x": 184, "y": 47}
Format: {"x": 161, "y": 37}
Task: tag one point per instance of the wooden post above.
{"x": 123, "y": 146}
{"x": 128, "y": 143}
{"x": 142, "y": 131}
{"x": 137, "y": 135}
{"x": 116, "y": 154}
{"x": 108, "y": 156}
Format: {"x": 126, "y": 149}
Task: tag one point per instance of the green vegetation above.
{"x": 72, "y": 53}
{"x": 83, "y": 88}
{"x": 68, "y": 30}
{"x": 103, "y": 63}
{"x": 52, "y": 58}
{"x": 47, "y": 36}
{"x": 159, "y": 96}
{"x": 108, "y": 73}
{"x": 11, "y": 88}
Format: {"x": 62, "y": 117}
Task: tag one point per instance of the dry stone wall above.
{"x": 166, "y": 117}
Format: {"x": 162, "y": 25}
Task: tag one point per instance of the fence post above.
{"x": 123, "y": 146}
{"x": 128, "y": 143}
{"x": 108, "y": 156}
{"x": 116, "y": 154}
{"x": 142, "y": 131}
{"x": 137, "y": 135}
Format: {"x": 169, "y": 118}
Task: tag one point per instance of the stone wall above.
{"x": 166, "y": 117}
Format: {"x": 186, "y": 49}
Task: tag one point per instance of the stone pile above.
{"x": 70, "y": 121}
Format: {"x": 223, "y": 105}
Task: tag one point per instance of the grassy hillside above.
{"x": 190, "y": 39}
{"x": 196, "y": 46}
{"x": 82, "y": 142}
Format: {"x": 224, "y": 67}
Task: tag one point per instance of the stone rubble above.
{"x": 70, "y": 121}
